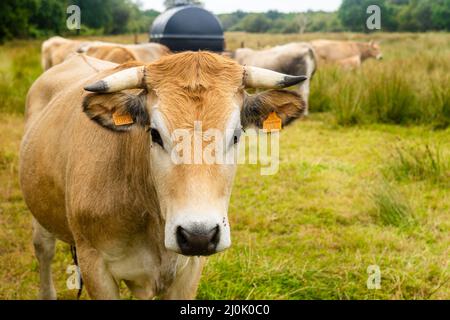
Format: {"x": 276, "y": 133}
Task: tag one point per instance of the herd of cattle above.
{"x": 299, "y": 58}
{"x": 95, "y": 163}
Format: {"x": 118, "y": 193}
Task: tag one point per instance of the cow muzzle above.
{"x": 198, "y": 237}
{"x": 198, "y": 241}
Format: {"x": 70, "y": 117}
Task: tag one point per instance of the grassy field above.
{"x": 365, "y": 180}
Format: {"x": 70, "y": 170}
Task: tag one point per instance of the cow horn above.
{"x": 266, "y": 79}
{"x": 131, "y": 78}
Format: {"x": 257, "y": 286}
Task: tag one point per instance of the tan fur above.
{"x": 345, "y": 52}
{"x": 120, "y": 53}
{"x": 111, "y": 53}
{"x": 350, "y": 63}
{"x": 56, "y": 49}
{"x": 200, "y": 87}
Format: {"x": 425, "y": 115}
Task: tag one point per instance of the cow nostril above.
{"x": 215, "y": 235}
{"x": 182, "y": 236}
{"x": 198, "y": 241}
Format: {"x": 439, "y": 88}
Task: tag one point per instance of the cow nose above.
{"x": 198, "y": 242}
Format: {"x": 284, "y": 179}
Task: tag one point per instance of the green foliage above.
{"x": 440, "y": 14}
{"x": 254, "y": 22}
{"x": 49, "y": 16}
{"x": 14, "y": 17}
{"x": 353, "y": 15}
{"x": 43, "y": 18}
{"x": 173, "y": 3}
{"x": 277, "y": 22}
{"x": 398, "y": 15}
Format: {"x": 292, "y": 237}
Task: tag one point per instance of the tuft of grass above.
{"x": 419, "y": 163}
{"x": 322, "y": 83}
{"x": 440, "y": 97}
{"x": 348, "y": 104}
{"x": 391, "y": 98}
{"x": 390, "y": 207}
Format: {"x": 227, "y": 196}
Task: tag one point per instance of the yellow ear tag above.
{"x": 122, "y": 119}
{"x": 272, "y": 123}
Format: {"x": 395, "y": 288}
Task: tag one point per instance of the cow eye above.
{"x": 156, "y": 137}
{"x": 237, "y": 136}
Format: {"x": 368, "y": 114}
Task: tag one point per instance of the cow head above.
{"x": 181, "y": 91}
{"x": 374, "y": 50}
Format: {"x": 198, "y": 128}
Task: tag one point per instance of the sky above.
{"x": 226, "y": 6}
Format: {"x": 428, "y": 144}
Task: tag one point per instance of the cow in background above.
{"x": 293, "y": 58}
{"x": 120, "y": 53}
{"x": 346, "y": 53}
{"x": 57, "y": 49}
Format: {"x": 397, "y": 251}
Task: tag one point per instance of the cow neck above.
{"x": 137, "y": 169}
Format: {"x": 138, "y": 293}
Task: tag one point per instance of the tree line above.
{"x": 42, "y": 18}
{"x": 396, "y": 15}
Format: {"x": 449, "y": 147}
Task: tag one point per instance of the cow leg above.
{"x": 44, "y": 249}
{"x": 99, "y": 282}
{"x": 303, "y": 90}
{"x": 186, "y": 281}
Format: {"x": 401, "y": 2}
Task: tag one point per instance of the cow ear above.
{"x": 118, "y": 111}
{"x": 288, "y": 105}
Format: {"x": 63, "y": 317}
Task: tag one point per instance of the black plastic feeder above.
{"x": 188, "y": 27}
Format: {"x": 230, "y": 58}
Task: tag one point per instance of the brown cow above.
{"x": 350, "y": 63}
{"x": 120, "y": 53}
{"x": 111, "y": 53}
{"x": 96, "y": 169}
{"x": 346, "y": 53}
{"x": 56, "y": 49}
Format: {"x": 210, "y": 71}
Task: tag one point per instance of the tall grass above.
{"x": 19, "y": 67}
{"x": 390, "y": 98}
{"x": 419, "y": 163}
{"x": 410, "y": 87}
{"x": 440, "y": 97}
